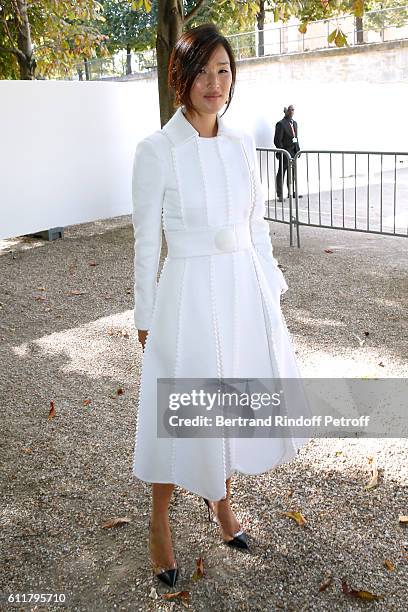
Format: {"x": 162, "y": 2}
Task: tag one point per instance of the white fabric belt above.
{"x": 208, "y": 240}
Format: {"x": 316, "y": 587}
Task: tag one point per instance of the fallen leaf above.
{"x": 199, "y": 571}
{"x": 120, "y": 520}
{"x": 366, "y": 595}
{"x": 361, "y": 341}
{"x": 403, "y": 519}
{"x": 86, "y": 402}
{"x": 52, "y": 411}
{"x": 366, "y": 333}
{"x": 153, "y": 593}
{"x": 93, "y": 263}
{"x": 328, "y": 251}
{"x": 183, "y": 595}
{"x": 76, "y": 292}
{"x": 389, "y": 565}
{"x": 290, "y": 493}
{"x": 27, "y": 449}
{"x": 40, "y": 298}
{"x": 338, "y": 453}
{"x": 125, "y": 333}
{"x": 381, "y": 364}
{"x": 373, "y": 482}
{"x": 120, "y": 391}
{"x": 326, "y": 583}
{"x": 41, "y": 289}
{"x": 296, "y": 516}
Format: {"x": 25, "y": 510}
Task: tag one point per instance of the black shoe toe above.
{"x": 239, "y": 541}
{"x": 169, "y": 577}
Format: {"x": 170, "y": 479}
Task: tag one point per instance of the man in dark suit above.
{"x": 286, "y": 137}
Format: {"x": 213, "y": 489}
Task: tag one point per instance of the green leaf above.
{"x": 148, "y": 6}
{"x": 358, "y": 8}
{"x": 331, "y": 37}
{"x": 340, "y": 39}
{"x": 303, "y": 28}
{"x": 276, "y": 14}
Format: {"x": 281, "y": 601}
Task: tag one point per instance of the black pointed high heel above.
{"x": 239, "y": 539}
{"x": 168, "y": 576}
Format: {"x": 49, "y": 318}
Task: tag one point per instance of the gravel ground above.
{"x": 67, "y": 336}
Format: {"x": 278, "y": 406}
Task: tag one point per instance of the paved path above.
{"x": 67, "y": 336}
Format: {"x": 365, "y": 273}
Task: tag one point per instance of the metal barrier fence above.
{"x": 382, "y": 25}
{"x": 363, "y": 191}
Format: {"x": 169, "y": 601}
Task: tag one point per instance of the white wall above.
{"x": 349, "y": 116}
{"x": 66, "y": 150}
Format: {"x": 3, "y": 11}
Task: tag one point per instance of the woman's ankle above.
{"x": 158, "y": 519}
{"x": 222, "y": 503}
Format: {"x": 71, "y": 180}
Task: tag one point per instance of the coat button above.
{"x": 225, "y": 240}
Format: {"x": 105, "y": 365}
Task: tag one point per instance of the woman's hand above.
{"x": 142, "y": 335}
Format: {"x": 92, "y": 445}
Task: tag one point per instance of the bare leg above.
{"x": 226, "y": 518}
{"x": 160, "y": 545}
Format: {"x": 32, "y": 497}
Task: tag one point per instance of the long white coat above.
{"x": 215, "y": 311}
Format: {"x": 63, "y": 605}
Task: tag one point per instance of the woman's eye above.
{"x": 222, "y": 70}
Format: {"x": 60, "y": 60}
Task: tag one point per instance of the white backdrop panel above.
{"x": 66, "y": 150}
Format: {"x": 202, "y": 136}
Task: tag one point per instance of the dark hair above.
{"x": 190, "y": 54}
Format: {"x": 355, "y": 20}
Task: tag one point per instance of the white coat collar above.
{"x": 179, "y": 129}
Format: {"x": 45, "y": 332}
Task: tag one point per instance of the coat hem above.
{"x": 285, "y": 458}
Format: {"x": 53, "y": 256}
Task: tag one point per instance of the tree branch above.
{"x": 8, "y": 33}
{"x": 13, "y": 51}
{"x": 194, "y": 11}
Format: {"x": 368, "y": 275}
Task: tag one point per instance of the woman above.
{"x": 216, "y": 309}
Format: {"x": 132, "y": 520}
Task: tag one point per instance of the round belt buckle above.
{"x": 225, "y": 240}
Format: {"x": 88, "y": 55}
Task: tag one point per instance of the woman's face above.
{"x": 210, "y": 89}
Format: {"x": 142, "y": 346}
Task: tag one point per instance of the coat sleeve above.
{"x": 147, "y": 195}
{"x": 277, "y": 141}
{"x": 297, "y": 136}
{"x": 258, "y": 225}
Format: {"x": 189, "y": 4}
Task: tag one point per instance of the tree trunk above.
{"x": 26, "y": 61}
{"x": 87, "y": 71}
{"x": 169, "y": 29}
{"x": 260, "y": 18}
{"x": 128, "y": 60}
{"x": 359, "y": 31}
